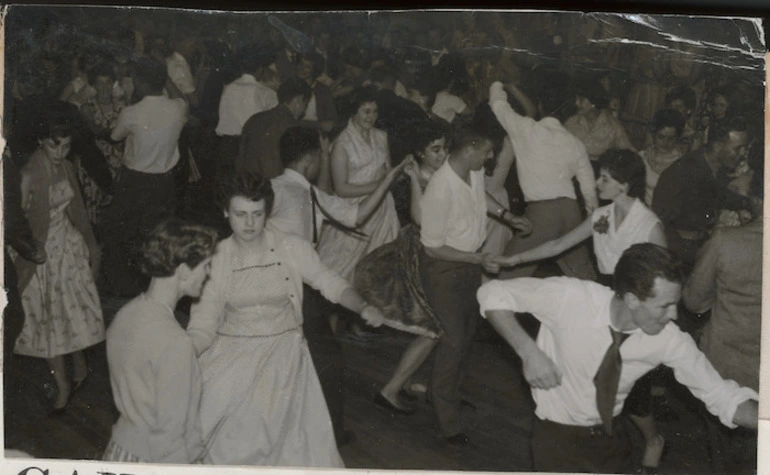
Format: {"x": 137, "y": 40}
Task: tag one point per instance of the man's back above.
{"x": 260, "y": 139}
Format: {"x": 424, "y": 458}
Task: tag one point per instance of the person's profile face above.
{"x": 197, "y": 278}
{"x": 480, "y": 153}
{"x": 652, "y": 314}
{"x": 434, "y": 154}
{"x": 246, "y": 218}
{"x": 366, "y": 115}
{"x": 734, "y": 149}
{"x": 608, "y": 187}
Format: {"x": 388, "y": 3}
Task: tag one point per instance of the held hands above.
{"x": 490, "y": 263}
{"x": 372, "y": 316}
{"x": 540, "y": 371}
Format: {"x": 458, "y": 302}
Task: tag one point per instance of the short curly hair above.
{"x": 625, "y": 166}
{"x": 174, "y": 242}
{"x": 252, "y": 186}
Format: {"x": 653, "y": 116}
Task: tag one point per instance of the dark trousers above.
{"x": 326, "y": 353}
{"x": 450, "y": 288}
{"x": 564, "y": 448}
{"x": 141, "y": 200}
{"x": 551, "y": 219}
{"x": 730, "y": 450}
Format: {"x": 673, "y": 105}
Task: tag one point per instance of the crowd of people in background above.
{"x": 304, "y": 180}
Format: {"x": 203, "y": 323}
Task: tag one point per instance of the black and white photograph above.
{"x": 435, "y": 240}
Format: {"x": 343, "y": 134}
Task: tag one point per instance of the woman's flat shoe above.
{"x": 383, "y": 402}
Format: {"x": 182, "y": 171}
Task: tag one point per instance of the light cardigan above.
{"x": 304, "y": 267}
{"x": 39, "y": 211}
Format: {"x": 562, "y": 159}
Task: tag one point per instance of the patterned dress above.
{"x": 61, "y": 305}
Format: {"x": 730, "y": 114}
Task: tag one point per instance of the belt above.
{"x": 581, "y": 431}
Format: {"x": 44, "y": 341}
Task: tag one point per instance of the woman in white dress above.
{"x": 614, "y": 228}
{"x": 262, "y": 402}
{"x": 359, "y": 162}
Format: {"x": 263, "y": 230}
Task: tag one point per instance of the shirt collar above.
{"x": 247, "y": 79}
{"x": 293, "y": 176}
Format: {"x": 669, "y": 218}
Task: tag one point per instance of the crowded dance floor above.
{"x": 435, "y": 240}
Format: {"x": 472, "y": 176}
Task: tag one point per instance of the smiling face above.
{"x": 734, "y": 150}
{"x": 653, "y": 314}
{"x": 608, "y": 187}
{"x": 366, "y": 115}
{"x": 246, "y": 218}
{"x": 434, "y": 155}
{"x": 56, "y": 149}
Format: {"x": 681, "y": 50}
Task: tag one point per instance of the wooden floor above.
{"x": 499, "y": 427}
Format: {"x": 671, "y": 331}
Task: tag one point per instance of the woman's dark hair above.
{"x": 594, "y": 92}
{"x": 667, "y": 118}
{"x": 684, "y": 94}
{"x": 251, "y": 186}
{"x": 640, "y": 265}
{"x": 451, "y": 69}
{"x": 423, "y": 133}
{"x": 361, "y": 96}
{"x": 625, "y": 167}
{"x": 57, "y": 121}
{"x": 296, "y": 142}
{"x": 174, "y": 242}
{"x": 292, "y": 88}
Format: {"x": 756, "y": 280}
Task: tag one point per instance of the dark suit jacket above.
{"x": 259, "y": 150}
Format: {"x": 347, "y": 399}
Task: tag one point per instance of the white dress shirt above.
{"x": 454, "y": 213}
{"x": 151, "y": 128}
{"x": 292, "y": 211}
{"x": 610, "y": 245}
{"x": 240, "y": 100}
{"x": 575, "y": 317}
{"x": 547, "y": 155}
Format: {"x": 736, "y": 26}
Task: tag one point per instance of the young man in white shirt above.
{"x": 454, "y": 223}
{"x": 580, "y": 320}
{"x": 548, "y": 157}
{"x": 146, "y": 188}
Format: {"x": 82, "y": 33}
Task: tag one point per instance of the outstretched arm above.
{"x": 372, "y": 202}
{"x": 553, "y": 247}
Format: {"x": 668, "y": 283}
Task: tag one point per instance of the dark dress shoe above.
{"x": 381, "y": 401}
{"x": 458, "y": 440}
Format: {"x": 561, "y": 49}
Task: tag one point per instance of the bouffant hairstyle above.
{"x": 57, "y": 122}
{"x": 640, "y": 265}
{"x": 174, "y": 242}
{"x": 251, "y": 186}
{"x": 625, "y": 167}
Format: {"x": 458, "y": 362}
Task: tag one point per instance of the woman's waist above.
{"x": 254, "y": 325}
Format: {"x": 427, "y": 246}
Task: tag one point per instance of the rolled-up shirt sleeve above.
{"x": 691, "y": 368}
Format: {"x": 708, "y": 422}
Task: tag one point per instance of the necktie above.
{"x": 607, "y": 379}
{"x": 328, "y": 216}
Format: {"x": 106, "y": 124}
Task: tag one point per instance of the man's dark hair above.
{"x": 594, "y": 92}
{"x": 383, "y": 75}
{"x": 151, "y": 72}
{"x": 720, "y": 130}
{"x": 464, "y": 137}
{"x": 640, "y": 265}
{"x": 291, "y": 88}
{"x": 296, "y": 142}
{"x": 254, "y": 56}
{"x": 550, "y": 94}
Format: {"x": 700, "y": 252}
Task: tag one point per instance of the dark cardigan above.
{"x": 38, "y": 211}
